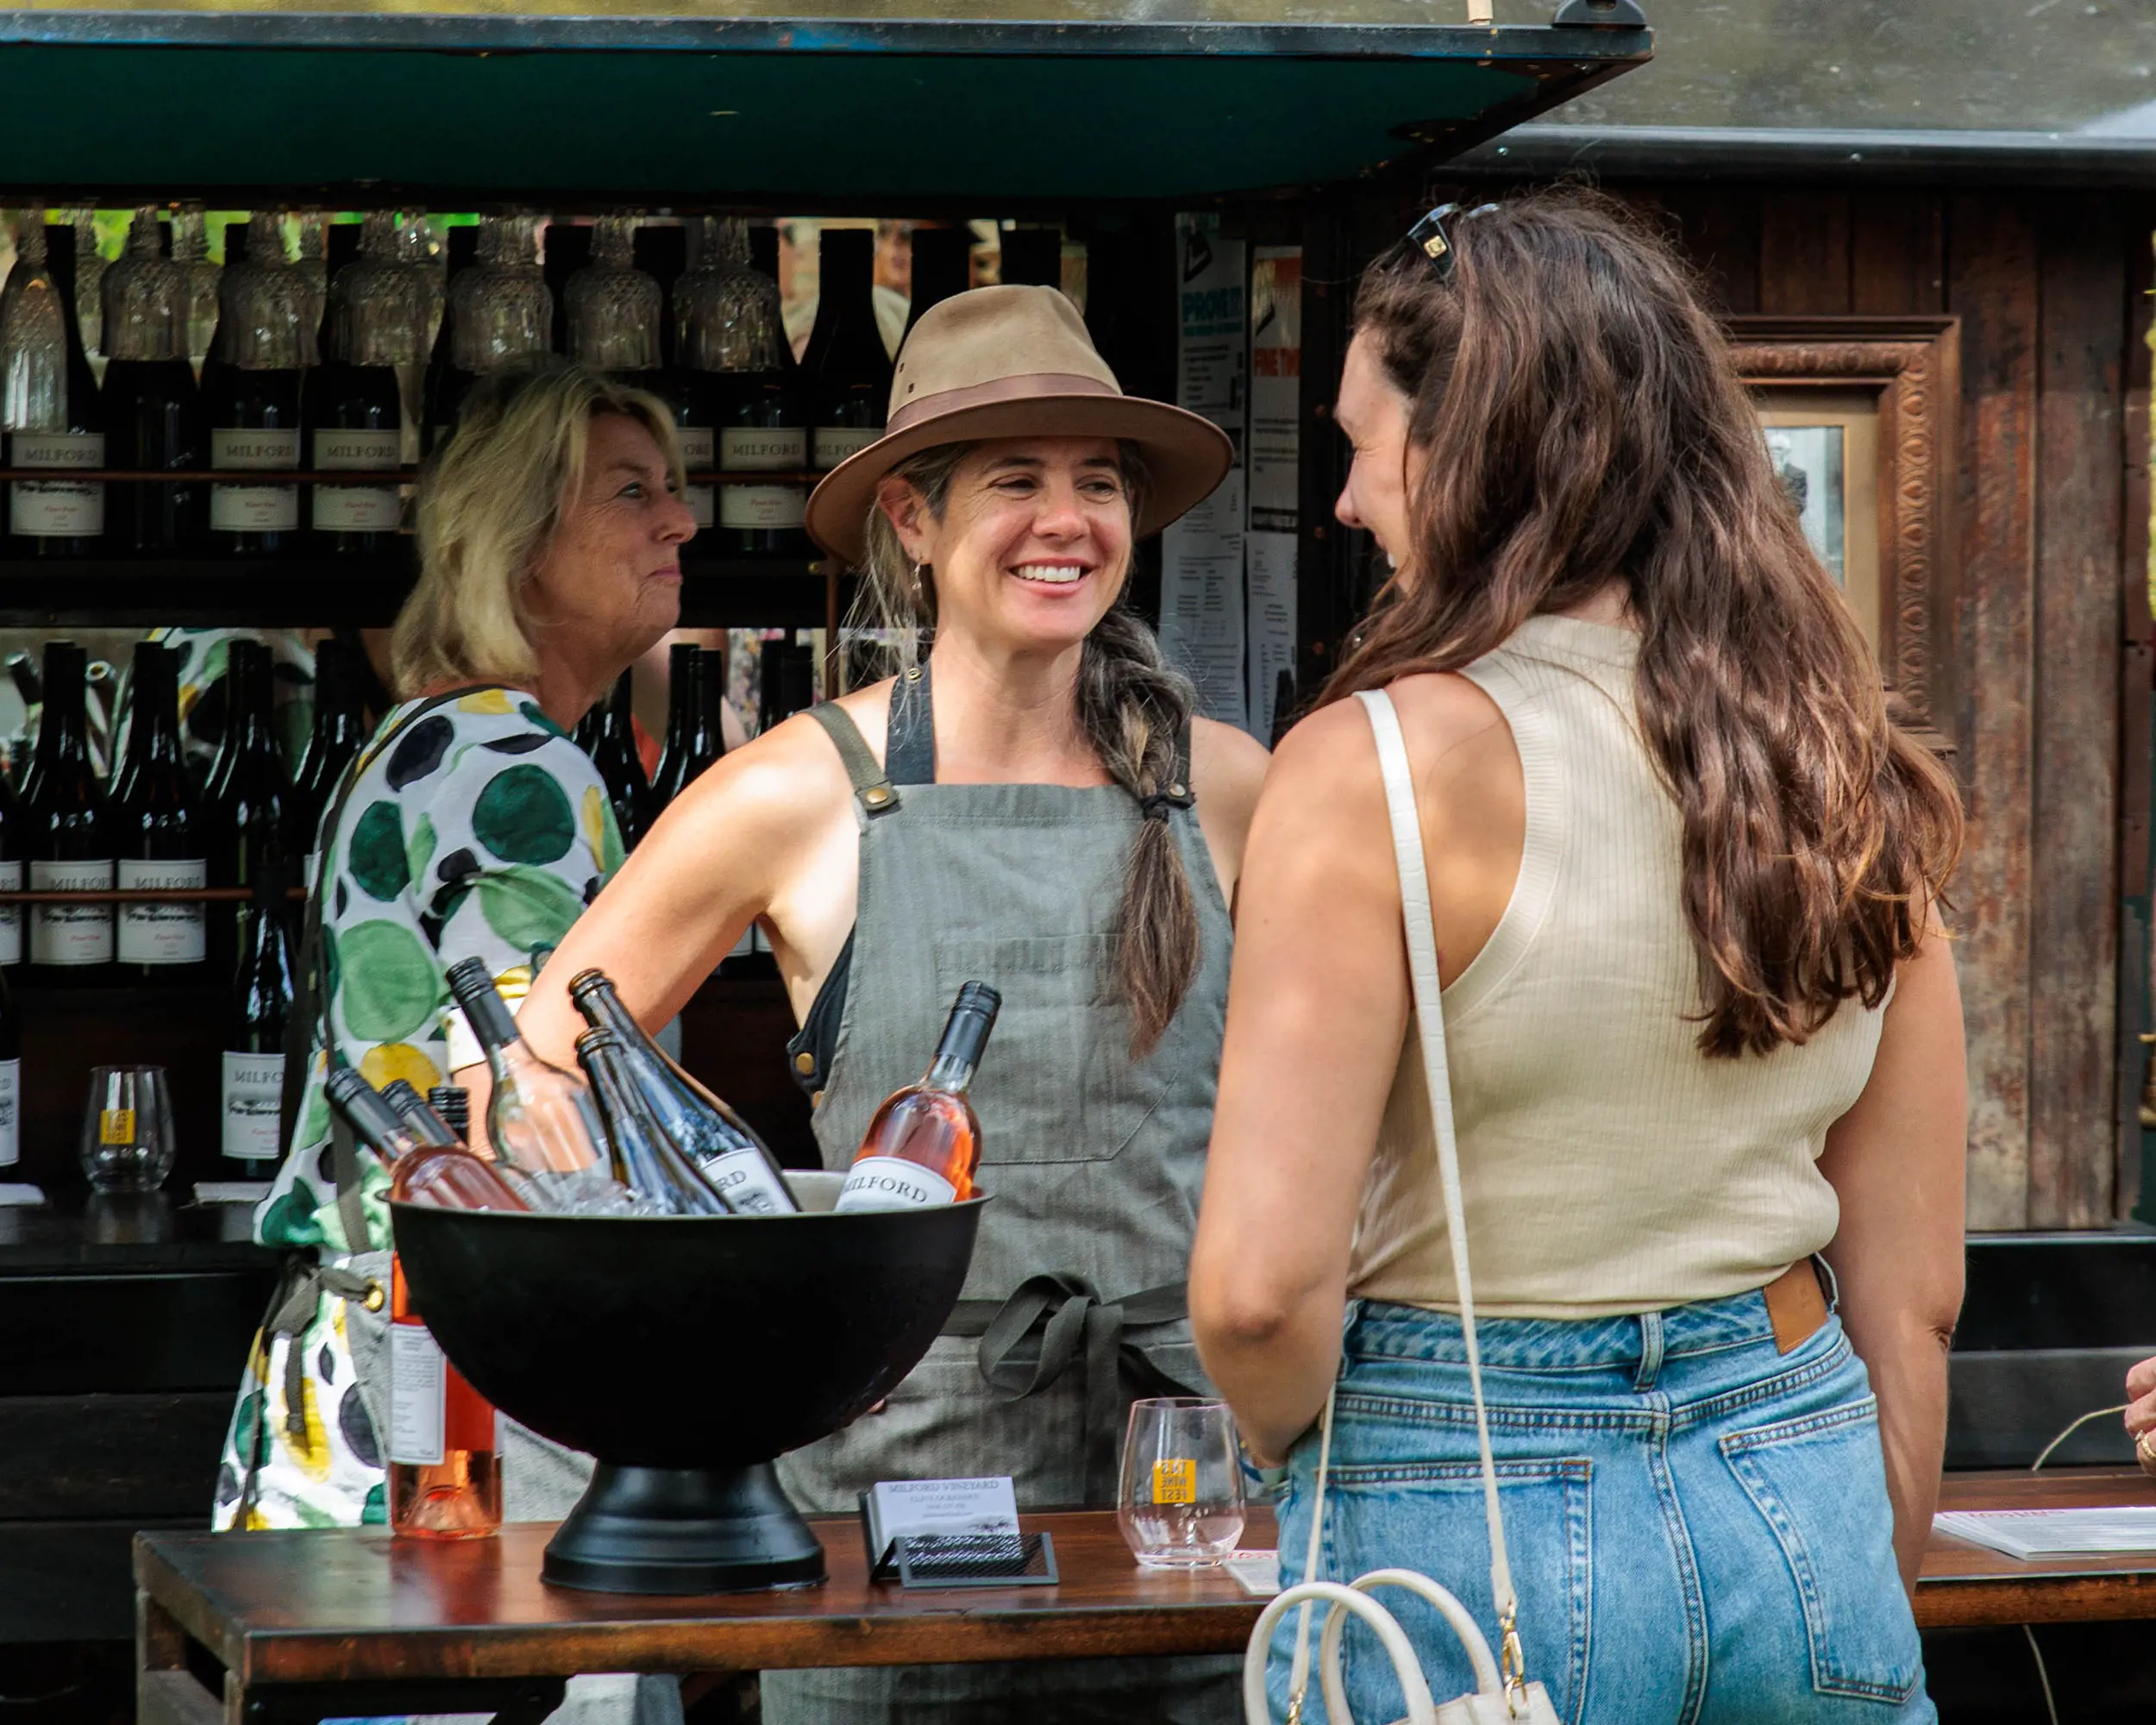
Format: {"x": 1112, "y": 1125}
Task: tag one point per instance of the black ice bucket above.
{"x": 685, "y": 1354}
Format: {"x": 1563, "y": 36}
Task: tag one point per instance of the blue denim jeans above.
{"x": 1699, "y": 1526}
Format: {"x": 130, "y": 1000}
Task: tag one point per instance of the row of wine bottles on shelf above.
{"x": 364, "y": 376}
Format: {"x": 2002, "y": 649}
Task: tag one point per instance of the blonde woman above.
{"x": 550, "y": 531}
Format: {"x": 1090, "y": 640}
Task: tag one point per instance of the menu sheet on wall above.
{"x": 1201, "y": 623}
{"x": 1275, "y": 486}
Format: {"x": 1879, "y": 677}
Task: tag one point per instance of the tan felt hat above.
{"x": 1015, "y": 362}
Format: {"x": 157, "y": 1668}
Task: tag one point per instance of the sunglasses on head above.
{"x": 1432, "y": 236}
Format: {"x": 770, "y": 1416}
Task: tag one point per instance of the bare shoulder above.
{"x": 1443, "y": 712}
{"x": 1226, "y": 764}
{"x": 1450, "y": 725}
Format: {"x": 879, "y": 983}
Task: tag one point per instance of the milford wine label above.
{"x": 161, "y": 933}
{"x": 10, "y": 915}
{"x": 72, "y": 934}
{"x": 253, "y": 1086}
{"x": 57, "y": 509}
{"x": 256, "y": 508}
{"x": 11, "y": 1111}
{"x": 358, "y": 509}
{"x": 892, "y": 1183}
{"x": 418, "y": 1389}
{"x": 698, "y": 446}
{"x": 747, "y": 1183}
{"x": 762, "y": 450}
{"x": 834, "y": 443}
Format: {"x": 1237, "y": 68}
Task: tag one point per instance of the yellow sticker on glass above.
{"x": 115, "y": 1126}
{"x": 1175, "y": 1482}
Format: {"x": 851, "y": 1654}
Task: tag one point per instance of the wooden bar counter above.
{"x": 350, "y": 1622}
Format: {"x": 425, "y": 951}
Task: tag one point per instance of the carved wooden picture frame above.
{"x": 1911, "y": 367}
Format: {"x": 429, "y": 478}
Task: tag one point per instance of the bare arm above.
{"x": 1228, "y": 770}
{"x": 1317, "y": 1012}
{"x": 1895, "y": 1161}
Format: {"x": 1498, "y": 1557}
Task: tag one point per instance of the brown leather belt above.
{"x": 1796, "y": 1306}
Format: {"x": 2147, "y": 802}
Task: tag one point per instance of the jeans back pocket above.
{"x": 1819, "y": 1482}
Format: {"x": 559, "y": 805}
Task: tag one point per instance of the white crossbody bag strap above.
{"x": 1422, "y": 969}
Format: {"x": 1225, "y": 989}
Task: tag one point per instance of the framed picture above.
{"x": 1857, "y": 414}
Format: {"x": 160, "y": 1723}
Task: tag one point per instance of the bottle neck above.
{"x": 602, "y": 1007}
{"x": 63, "y": 731}
{"x": 958, "y": 1056}
{"x": 153, "y": 731}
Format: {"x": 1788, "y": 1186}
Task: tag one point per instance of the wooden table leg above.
{"x": 165, "y": 1691}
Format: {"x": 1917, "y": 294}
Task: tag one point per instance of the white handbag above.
{"x": 1501, "y": 1694}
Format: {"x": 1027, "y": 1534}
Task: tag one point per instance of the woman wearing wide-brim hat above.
{"x": 1033, "y": 804}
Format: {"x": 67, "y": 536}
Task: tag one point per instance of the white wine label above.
{"x": 763, "y": 448}
{"x": 745, "y": 1181}
{"x": 72, "y": 934}
{"x": 254, "y": 451}
{"x": 891, "y": 1183}
{"x": 10, "y": 915}
{"x": 161, "y": 934}
{"x": 253, "y": 1091}
{"x": 11, "y": 1113}
{"x": 357, "y": 509}
{"x": 60, "y": 509}
{"x": 362, "y": 452}
{"x": 762, "y": 506}
{"x": 254, "y": 509}
{"x": 702, "y": 508}
{"x": 697, "y": 444}
{"x": 834, "y": 443}
{"x": 418, "y": 1397}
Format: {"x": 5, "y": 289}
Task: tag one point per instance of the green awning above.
{"x": 666, "y": 111}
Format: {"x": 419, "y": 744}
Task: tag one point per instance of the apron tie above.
{"x": 1074, "y": 1324}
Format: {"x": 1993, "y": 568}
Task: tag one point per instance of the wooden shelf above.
{"x": 317, "y": 590}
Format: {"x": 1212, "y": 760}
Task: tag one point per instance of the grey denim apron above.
{"x": 1075, "y": 1303}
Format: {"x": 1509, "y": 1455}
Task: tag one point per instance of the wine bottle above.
{"x": 340, "y": 731}
{"x": 251, "y": 390}
{"x": 735, "y": 1160}
{"x": 67, "y": 839}
{"x": 1033, "y": 257}
{"x": 847, "y": 372}
{"x": 153, "y": 410}
{"x": 159, "y": 841}
{"x": 453, "y": 1104}
{"x": 49, "y": 405}
{"x": 13, "y": 830}
{"x": 943, "y": 266}
{"x": 500, "y": 310}
{"x": 10, "y": 1079}
{"x": 376, "y": 322}
{"x": 732, "y": 340}
{"x": 253, "y": 1078}
{"x": 924, "y": 1143}
{"x": 417, "y": 1113}
{"x": 608, "y": 734}
{"x": 248, "y": 794}
{"x": 786, "y": 681}
{"x": 442, "y": 390}
{"x": 540, "y": 1120}
{"x": 695, "y": 687}
{"x": 645, "y": 1159}
{"x": 445, "y": 1478}
{"x": 442, "y": 1175}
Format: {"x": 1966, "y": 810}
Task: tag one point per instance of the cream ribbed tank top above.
{"x": 1609, "y": 1167}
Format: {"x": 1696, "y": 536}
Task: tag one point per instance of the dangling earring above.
{"x": 919, "y": 570}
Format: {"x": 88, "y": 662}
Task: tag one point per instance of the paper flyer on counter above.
{"x": 1201, "y": 623}
{"x": 1276, "y": 480}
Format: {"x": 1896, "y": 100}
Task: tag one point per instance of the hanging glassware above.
{"x": 190, "y": 251}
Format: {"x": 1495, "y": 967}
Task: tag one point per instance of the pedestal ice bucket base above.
{"x": 683, "y": 1530}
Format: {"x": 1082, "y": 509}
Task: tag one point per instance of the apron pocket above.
{"x": 1819, "y": 1482}
{"x": 1060, "y": 1056}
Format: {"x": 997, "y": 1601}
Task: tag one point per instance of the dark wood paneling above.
{"x": 2137, "y": 716}
{"x": 1804, "y": 252}
{"x": 1720, "y": 233}
{"x": 2073, "y": 890}
{"x": 69, "y": 1335}
{"x": 1897, "y": 252}
{"x": 1992, "y": 278}
{"x": 152, "y": 1458}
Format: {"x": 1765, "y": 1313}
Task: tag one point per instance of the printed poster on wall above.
{"x": 1201, "y": 623}
{"x": 1276, "y": 478}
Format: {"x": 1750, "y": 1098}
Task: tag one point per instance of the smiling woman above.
{"x": 550, "y": 528}
{"x": 1052, "y": 820}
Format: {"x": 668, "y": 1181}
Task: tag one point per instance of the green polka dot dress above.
{"x": 480, "y": 830}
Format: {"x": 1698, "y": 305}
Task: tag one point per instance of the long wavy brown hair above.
{"x": 1575, "y": 419}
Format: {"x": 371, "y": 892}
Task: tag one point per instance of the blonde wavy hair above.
{"x": 489, "y": 501}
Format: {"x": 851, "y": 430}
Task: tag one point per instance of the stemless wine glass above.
{"x": 1180, "y": 1503}
{"x": 126, "y": 1129}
